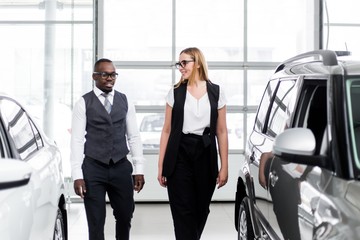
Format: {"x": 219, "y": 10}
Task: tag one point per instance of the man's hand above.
{"x": 79, "y": 187}
{"x": 139, "y": 182}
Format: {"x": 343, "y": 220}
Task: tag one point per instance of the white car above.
{"x": 150, "y": 130}
{"x": 32, "y": 199}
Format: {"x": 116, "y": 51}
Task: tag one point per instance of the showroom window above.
{"x": 341, "y": 26}
{"x": 49, "y": 48}
{"x": 242, "y": 41}
{"x": 47, "y": 56}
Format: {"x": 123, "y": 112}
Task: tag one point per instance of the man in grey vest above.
{"x": 103, "y": 127}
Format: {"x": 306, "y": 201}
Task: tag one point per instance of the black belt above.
{"x": 205, "y": 137}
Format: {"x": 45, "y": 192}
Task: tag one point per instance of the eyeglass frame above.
{"x": 106, "y": 75}
{"x": 183, "y": 63}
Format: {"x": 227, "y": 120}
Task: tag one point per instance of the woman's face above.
{"x": 186, "y": 65}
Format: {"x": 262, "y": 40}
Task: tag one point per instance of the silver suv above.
{"x": 301, "y": 176}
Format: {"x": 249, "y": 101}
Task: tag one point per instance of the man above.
{"x": 103, "y": 126}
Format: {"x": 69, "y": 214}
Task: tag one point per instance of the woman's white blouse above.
{"x": 196, "y": 111}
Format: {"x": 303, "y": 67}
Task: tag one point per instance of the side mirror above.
{"x": 14, "y": 173}
{"x": 299, "y": 141}
{"x": 297, "y": 145}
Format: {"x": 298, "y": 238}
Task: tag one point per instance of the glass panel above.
{"x": 204, "y": 25}
{"x": 24, "y": 53}
{"x": 144, "y": 86}
{"x": 67, "y": 59}
{"x": 341, "y": 25}
{"x": 72, "y": 59}
{"x": 277, "y": 34}
{"x": 137, "y": 30}
{"x": 353, "y": 90}
{"x": 51, "y": 63}
{"x": 235, "y": 125}
{"x": 279, "y": 117}
{"x": 264, "y": 105}
{"x": 21, "y": 10}
{"x": 344, "y": 38}
{"x": 11, "y": 10}
{"x": 257, "y": 81}
{"x": 344, "y": 11}
{"x": 2, "y": 147}
{"x": 151, "y": 124}
{"x": 75, "y": 10}
{"x": 232, "y": 82}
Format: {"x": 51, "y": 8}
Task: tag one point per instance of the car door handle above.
{"x": 273, "y": 178}
{"x": 252, "y": 157}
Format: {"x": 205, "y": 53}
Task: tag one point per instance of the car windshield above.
{"x": 353, "y": 94}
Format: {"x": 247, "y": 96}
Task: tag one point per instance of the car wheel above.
{"x": 245, "y": 230}
{"x": 59, "y": 233}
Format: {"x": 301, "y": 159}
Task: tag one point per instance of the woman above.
{"x": 195, "y": 117}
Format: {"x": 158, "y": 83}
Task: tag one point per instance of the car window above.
{"x": 22, "y": 130}
{"x": 354, "y": 115}
{"x": 3, "y": 152}
{"x": 312, "y": 109}
{"x": 279, "y": 117}
{"x": 316, "y": 118}
{"x": 264, "y": 105}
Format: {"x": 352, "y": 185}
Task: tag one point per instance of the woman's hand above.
{"x": 222, "y": 178}
{"x": 162, "y": 180}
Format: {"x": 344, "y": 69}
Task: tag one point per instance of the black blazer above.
{"x": 177, "y": 121}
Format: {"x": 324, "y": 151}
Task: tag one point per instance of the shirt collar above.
{"x": 98, "y": 92}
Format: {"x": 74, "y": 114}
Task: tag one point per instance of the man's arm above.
{"x": 136, "y": 148}
{"x": 78, "y": 126}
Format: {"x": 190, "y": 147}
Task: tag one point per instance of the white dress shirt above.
{"x": 196, "y": 111}
{"x": 78, "y": 136}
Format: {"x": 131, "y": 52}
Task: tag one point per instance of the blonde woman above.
{"x": 193, "y": 133}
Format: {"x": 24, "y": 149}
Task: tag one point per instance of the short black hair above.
{"x": 101, "y": 60}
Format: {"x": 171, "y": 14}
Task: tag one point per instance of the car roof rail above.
{"x": 329, "y": 58}
{"x": 342, "y": 53}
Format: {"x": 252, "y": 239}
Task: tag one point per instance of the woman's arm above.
{"x": 163, "y": 143}
{"x": 222, "y": 138}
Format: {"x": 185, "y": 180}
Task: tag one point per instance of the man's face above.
{"x": 102, "y": 76}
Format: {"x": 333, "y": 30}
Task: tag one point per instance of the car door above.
{"x": 296, "y": 188}
{"x": 258, "y": 142}
{"x": 273, "y": 117}
{"x": 28, "y": 145}
{"x": 15, "y": 193}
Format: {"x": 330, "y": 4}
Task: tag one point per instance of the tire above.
{"x": 59, "y": 229}
{"x": 245, "y": 230}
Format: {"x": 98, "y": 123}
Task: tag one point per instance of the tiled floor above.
{"x": 152, "y": 221}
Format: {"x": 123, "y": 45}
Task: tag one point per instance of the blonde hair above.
{"x": 199, "y": 60}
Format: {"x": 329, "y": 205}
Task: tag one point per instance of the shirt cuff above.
{"x": 77, "y": 174}
{"x": 138, "y": 165}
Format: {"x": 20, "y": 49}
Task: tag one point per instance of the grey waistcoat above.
{"x": 105, "y": 133}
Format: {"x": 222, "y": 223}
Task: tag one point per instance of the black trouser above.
{"x": 116, "y": 181}
{"x": 190, "y": 188}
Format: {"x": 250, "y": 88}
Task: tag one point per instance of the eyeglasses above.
{"x": 182, "y": 63}
{"x": 105, "y": 75}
